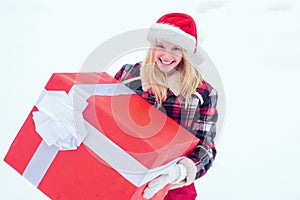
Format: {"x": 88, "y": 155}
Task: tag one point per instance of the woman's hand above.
{"x": 174, "y": 175}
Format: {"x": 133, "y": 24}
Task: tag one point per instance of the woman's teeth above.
{"x": 166, "y": 62}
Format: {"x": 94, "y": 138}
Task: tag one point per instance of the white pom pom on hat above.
{"x": 180, "y": 29}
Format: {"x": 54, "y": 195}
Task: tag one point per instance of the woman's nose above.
{"x": 167, "y": 54}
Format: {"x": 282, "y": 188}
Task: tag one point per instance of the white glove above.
{"x": 174, "y": 175}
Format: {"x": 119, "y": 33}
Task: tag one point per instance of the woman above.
{"x": 169, "y": 79}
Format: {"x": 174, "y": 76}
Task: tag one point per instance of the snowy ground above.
{"x": 255, "y": 46}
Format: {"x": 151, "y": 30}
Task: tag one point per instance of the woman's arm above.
{"x": 205, "y": 129}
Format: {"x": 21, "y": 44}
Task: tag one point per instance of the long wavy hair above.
{"x": 190, "y": 77}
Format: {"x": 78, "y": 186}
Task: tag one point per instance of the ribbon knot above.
{"x": 59, "y": 119}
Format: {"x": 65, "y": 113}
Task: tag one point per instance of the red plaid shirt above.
{"x": 199, "y": 117}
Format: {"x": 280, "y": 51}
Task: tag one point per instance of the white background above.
{"x": 255, "y": 46}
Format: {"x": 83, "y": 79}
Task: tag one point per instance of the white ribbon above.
{"x": 55, "y": 120}
{"x": 59, "y": 119}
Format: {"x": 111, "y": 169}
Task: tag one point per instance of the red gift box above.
{"x": 127, "y": 141}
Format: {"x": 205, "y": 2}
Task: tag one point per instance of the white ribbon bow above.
{"x": 59, "y": 120}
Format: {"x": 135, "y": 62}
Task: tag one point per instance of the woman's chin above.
{"x": 166, "y": 69}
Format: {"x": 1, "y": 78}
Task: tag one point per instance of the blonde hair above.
{"x": 190, "y": 77}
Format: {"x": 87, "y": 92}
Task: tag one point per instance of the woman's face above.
{"x": 167, "y": 56}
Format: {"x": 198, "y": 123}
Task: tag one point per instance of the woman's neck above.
{"x": 173, "y": 81}
{"x": 171, "y": 72}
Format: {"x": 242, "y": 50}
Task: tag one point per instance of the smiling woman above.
{"x": 169, "y": 79}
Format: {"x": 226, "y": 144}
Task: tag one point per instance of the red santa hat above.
{"x": 180, "y": 29}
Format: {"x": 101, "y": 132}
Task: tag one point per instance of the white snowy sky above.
{"x": 255, "y": 46}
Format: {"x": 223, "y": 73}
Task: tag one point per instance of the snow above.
{"x": 255, "y": 46}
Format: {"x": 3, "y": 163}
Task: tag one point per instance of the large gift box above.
{"x": 90, "y": 137}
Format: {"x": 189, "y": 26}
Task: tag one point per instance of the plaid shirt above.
{"x": 199, "y": 117}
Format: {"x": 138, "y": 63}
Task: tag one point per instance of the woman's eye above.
{"x": 176, "y": 49}
{"x": 160, "y": 46}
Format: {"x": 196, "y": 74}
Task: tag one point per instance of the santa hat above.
{"x": 180, "y": 29}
